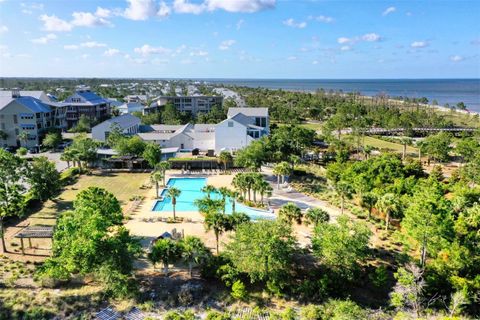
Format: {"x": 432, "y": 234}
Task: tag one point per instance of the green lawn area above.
{"x": 123, "y": 185}
{"x": 390, "y": 146}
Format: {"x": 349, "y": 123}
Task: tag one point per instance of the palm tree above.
{"x": 281, "y": 169}
{"x": 225, "y": 157}
{"x": 294, "y": 160}
{"x": 166, "y": 251}
{"x": 173, "y": 193}
{"x": 387, "y": 204}
{"x": 23, "y": 136}
{"x": 233, "y": 198}
{"x": 344, "y": 191}
{"x": 218, "y": 222}
{"x": 67, "y": 157}
{"x": 290, "y": 212}
{"x": 316, "y": 216}
{"x": 405, "y": 141}
{"x": 265, "y": 189}
{"x": 193, "y": 251}
{"x": 225, "y": 193}
{"x": 367, "y": 151}
{"x": 256, "y": 185}
{"x": 163, "y": 166}
{"x": 156, "y": 177}
{"x": 209, "y": 189}
{"x": 206, "y": 204}
{"x": 367, "y": 201}
{"x": 239, "y": 182}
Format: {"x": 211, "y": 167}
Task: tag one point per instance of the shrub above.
{"x": 215, "y": 315}
{"x": 380, "y": 276}
{"x": 311, "y": 312}
{"x": 239, "y": 291}
{"x": 289, "y": 314}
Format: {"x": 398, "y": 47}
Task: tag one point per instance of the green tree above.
{"x": 44, "y": 179}
{"x": 173, "y": 193}
{"x": 345, "y": 191}
{"x": 342, "y": 245}
{"x": 152, "y": 154}
{"x": 281, "y": 170}
{"x": 263, "y": 250}
{"x": 290, "y": 212}
{"x": 226, "y": 158}
{"x": 166, "y": 251}
{"x": 23, "y": 137}
{"x": 316, "y": 216}
{"x": 156, "y": 176}
{"x": 52, "y": 140}
{"x": 408, "y": 291}
{"x": 91, "y": 240}
{"x": 83, "y": 125}
{"x": 208, "y": 190}
{"x": 163, "y": 167}
{"x": 388, "y": 205}
{"x": 12, "y": 171}
{"x": 193, "y": 251}
{"x": 427, "y": 223}
{"x": 252, "y": 156}
{"x": 438, "y": 146}
{"x": 467, "y": 148}
{"x": 368, "y": 201}
{"x": 218, "y": 222}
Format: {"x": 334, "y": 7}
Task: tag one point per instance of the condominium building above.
{"x": 23, "y": 120}
{"x": 87, "y": 103}
{"x": 191, "y": 104}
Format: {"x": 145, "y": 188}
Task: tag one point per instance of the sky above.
{"x": 304, "y": 39}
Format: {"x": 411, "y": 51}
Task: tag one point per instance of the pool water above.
{"x": 191, "y": 189}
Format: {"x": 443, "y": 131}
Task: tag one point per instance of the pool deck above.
{"x": 149, "y": 230}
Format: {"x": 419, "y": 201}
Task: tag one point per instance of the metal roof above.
{"x": 123, "y": 121}
{"x": 249, "y": 112}
{"x": 36, "y": 232}
{"x": 34, "y": 104}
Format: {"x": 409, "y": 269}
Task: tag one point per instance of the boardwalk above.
{"x": 383, "y": 131}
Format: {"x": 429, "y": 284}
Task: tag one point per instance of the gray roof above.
{"x": 27, "y": 93}
{"x": 124, "y": 121}
{"x": 150, "y": 136}
{"x": 165, "y": 127}
{"x": 250, "y": 112}
{"x": 204, "y": 127}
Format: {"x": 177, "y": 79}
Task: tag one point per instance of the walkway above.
{"x": 281, "y": 196}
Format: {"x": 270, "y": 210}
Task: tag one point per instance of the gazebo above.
{"x": 34, "y": 232}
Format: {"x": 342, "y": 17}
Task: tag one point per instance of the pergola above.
{"x": 35, "y": 232}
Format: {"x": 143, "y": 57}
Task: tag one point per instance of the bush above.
{"x": 311, "y": 312}
{"x": 380, "y": 276}
{"x": 215, "y": 315}
{"x": 339, "y": 310}
{"x": 239, "y": 291}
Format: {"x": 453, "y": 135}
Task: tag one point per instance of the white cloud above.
{"x": 85, "y": 56}
{"x": 324, "y": 19}
{"x": 240, "y": 5}
{"x": 87, "y": 19}
{"x": 46, "y": 39}
{"x": 3, "y": 29}
{"x": 225, "y": 45}
{"x": 92, "y": 44}
{"x": 371, "y": 37}
{"x": 111, "y": 52}
{"x": 343, "y": 40}
{"x": 183, "y": 6}
{"x": 419, "y": 44}
{"x": 103, "y": 13}
{"x": 53, "y": 23}
{"x": 199, "y": 53}
{"x": 164, "y": 10}
{"x": 292, "y": 58}
{"x": 28, "y": 8}
{"x": 240, "y": 23}
{"x": 71, "y": 47}
{"x": 140, "y": 9}
{"x": 146, "y": 50}
{"x": 314, "y": 62}
{"x": 388, "y": 11}
{"x": 346, "y": 48}
{"x": 291, "y": 23}
{"x": 456, "y": 58}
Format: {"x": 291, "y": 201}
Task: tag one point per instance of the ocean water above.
{"x": 449, "y": 91}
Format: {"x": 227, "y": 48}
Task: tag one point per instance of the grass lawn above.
{"x": 123, "y": 185}
{"x": 390, "y": 146}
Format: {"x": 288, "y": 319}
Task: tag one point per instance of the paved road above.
{"x": 52, "y": 156}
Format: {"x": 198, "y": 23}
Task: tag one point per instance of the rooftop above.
{"x": 250, "y": 112}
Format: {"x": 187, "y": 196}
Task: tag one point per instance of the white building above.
{"x": 127, "y": 123}
{"x": 192, "y": 104}
{"x": 234, "y": 133}
{"x": 130, "y": 107}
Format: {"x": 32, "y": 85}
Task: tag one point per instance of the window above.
{"x": 15, "y": 120}
{"x": 3, "y": 126}
{"x": 230, "y": 124}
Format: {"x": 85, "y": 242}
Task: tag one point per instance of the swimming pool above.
{"x": 191, "y": 189}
